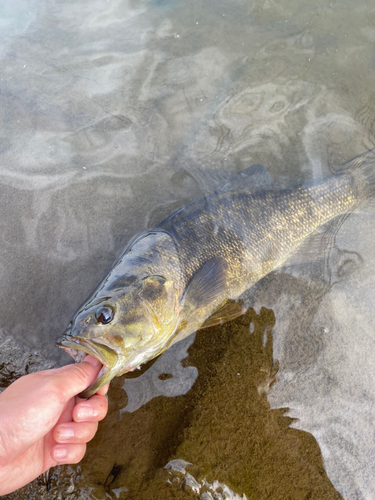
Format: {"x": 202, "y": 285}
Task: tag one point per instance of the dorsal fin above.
{"x": 252, "y": 179}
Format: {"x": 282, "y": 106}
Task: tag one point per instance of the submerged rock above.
{"x": 16, "y": 360}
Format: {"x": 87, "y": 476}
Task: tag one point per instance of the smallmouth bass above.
{"x": 187, "y": 272}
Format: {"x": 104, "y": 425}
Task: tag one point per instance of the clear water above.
{"x": 115, "y": 113}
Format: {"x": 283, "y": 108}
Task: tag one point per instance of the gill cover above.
{"x": 160, "y": 302}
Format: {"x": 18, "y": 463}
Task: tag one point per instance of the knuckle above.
{"x": 82, "y": 372}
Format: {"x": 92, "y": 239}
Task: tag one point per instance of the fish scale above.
{"x": 186, "y": 272}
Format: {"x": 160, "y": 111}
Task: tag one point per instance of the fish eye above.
{"x": 104, "y": 315}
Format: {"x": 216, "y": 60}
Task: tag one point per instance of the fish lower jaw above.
{"x": 105, "y": 375}
{"x": 78, "y": 349}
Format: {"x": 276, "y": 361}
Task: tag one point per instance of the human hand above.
{"x": 44, "y": 423}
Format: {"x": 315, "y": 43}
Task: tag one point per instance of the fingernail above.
{"x": 66, "y": 432}
{"x": 59, "y": 453}
{"x": 85, "y": 412}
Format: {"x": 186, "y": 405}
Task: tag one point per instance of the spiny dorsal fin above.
{"x": 253, "y": 178}
{"x": 206, "y": 285}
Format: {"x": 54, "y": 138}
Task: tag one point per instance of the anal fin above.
{"x": 317, "y": 245}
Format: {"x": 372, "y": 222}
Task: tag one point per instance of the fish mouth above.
{"x": 78, "y": 348}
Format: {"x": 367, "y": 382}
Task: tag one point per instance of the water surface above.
{"x": 113, "y": 115}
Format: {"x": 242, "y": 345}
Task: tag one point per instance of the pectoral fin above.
{"x": 226, "y": 312}
{"x": 205, "y": 286}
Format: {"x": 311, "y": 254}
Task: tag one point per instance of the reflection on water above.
{"x": 166, "y": 377}
{"x": 114, "y": 115}
{"x": 331, "y": 391}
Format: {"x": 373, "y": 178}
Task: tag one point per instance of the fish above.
{"x": 189, "y": 271}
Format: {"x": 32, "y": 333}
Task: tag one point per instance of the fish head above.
{"x": 124, "y": 328}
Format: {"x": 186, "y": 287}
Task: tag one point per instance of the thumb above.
{"x": 75, "y": 378}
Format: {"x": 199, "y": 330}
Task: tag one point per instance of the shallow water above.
{"x": 113, "y": 115}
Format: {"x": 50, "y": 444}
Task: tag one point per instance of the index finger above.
{"x": 93, "y": 409}
{"x": 103, "y": 390}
